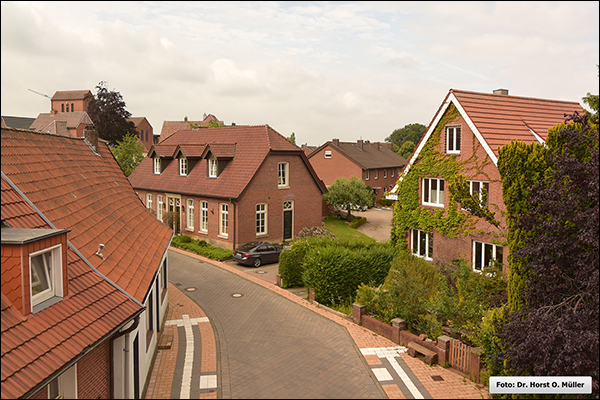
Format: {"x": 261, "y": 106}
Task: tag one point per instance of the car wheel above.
{"x": 257, "y": 263}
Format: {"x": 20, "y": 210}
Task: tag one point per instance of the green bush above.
{"x": 358, "y": 222}
{"x": 291, "y": 260}
{"x": 335, "y": 272}
{"x": 386, "y": 202}
{"x": 201, "y": 247}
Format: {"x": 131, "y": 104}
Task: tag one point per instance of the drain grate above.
{"x": 261, "y": 272}
{"x": 237, "y": 295}
{"x": 190, "y": 289}
{"x": 437, "y": 378}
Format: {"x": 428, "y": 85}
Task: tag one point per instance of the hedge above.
{"x": 291, "y": 260}
{"x": 201, "y": 247}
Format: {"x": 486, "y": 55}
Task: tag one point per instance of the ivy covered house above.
{"x": 449, "y": 196}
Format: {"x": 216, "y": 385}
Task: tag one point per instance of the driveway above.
{"x": 378, "y": 225}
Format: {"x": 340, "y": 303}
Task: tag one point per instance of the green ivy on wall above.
{"x": 450, "y": 221}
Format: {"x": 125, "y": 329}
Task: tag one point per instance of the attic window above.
{"x": 327, "y": 153}
{"x": 453, "y": 140}
{"x": 212, "y": 167}
{"x": 45, "y": 276}
{"x": 157, "y": 166}
{"x": 183, "y": 166}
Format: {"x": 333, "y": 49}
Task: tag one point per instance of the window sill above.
{"x": 262, "y": 235}
{"x": 203, "y": 232}
{"x": 433, "y": 205}
{"x": 45, "y": 304}
{"x": 283, "y": 187}
{"x": 223, "y": 236}
{"x": 190, "y": 229}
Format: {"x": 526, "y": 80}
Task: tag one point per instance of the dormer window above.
{"x": 45, "y": 274}
{"x": 183, "y": 166}
{"x": 212, "y": 167}
{"x": 157, "y": 166}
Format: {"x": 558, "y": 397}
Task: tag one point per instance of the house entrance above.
{"x": 288, "y": 219}
{"x": 174, "y": 214}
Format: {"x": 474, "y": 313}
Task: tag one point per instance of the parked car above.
{"x": 257, "y": 254}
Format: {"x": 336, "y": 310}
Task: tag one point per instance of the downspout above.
{"x": 126, "y": 332}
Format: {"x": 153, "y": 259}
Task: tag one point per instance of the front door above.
{"x": 288, "y": 220}
{"x": 175, "y": 212}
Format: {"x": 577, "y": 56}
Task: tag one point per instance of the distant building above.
{"x": 16, "y": 122}
{"x": 145, "y": 132}
{"x": 170, "y": 127}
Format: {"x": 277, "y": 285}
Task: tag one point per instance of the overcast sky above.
{"x": 323, "y": 70}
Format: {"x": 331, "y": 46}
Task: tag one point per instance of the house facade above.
{"x": 93, "y": 224}
{"x": 461, "y": 146}
{"x": 231, "y": 185}
{"x": 376, "y": 164}
{"x": 145, "y": 132}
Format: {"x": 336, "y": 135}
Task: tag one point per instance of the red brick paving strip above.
{"x": 393, "y": 391}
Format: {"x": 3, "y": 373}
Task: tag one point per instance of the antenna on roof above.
{"x": 41, "y": 94}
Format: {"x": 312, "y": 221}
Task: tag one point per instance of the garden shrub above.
{"x": 386, "y": 202}
{"x": 358, "y": 222}
{"x": 204, "y": 249}
{"x": 184, "y": 239}
{"x": 291, "y": 260}
{"x": 335, "y": 272}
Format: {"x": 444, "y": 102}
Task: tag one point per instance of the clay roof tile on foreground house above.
{"x": 38, "y": 347}
{"x": 89, "y": 194}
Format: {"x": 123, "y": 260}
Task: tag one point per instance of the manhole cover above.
{"x": 190, "y": 289}
{"x": 237, "y": 295}
{"x": 437, "y": 378}
{"x": 261, "y": 272}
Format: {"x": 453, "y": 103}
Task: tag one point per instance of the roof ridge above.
{"x": 511, "y": 96}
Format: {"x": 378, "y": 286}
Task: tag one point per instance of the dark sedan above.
{"x": 257, "y": 253}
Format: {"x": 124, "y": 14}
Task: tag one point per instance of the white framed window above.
{"x": 376, "y": 174}
{"x": 224, "y": 220}
{"x": 183, "y": 166}
{"x": 421, "y": 244}
{"x": 190, "y": 214}
{"x": 392, "y": 172}
{"x": 283, "y": 175}
{"x": 327, "y": 153}
{"x": 212, "y": 167}
{"x": 433, "y": 192}
{"x": 367, "y": 175}
{"x": 156, "y": 166}
{"x": 45, "y": 275}
{"x": 159, "y": 207}
{"x": 261, "y": 219}
{"x": 476, "y": 189}
{"x": 204, "y": 216}
{"x": 453, "y": 140}
{"x": 385, "y": 173}
{"x": 149, "y": 201}
{"x": 484, "y": 254}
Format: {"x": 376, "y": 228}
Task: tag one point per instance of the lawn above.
{"x": 341, "y": 230}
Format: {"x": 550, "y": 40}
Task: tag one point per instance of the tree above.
{"x": 292, "y": 138}
{"x": 211, "y": 124}
{"x": 592, "y": 101}
{"x": 410, "y": 133}
{"x": 349, "y": 193}
{"x": 107, "y": 110}
{"x": 555, "y": 333}
{"x": 128, "y": 153}
{"x": 407, "y": 148}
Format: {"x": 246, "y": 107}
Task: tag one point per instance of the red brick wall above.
{"x": 93, "y": 373}
{"x": 329, "y": 169}
{"x": 145, "y": 126}
{"x": 41, "y": 394}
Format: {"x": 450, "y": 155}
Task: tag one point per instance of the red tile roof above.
{"x": 89, "y": 194}
{"x": 44, "y": 121}
{"x": 71, "y": 94}
{"x": 252, "y": 144}
{"x": 372, "y": 155}
{"x": 170, "y": 127}
{"x": 36, "y": 346}
{"x": 502, "y": 118}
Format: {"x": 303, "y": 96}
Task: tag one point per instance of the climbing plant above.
{"x": 450, "y": 221}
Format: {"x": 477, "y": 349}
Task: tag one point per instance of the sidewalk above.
{"x": 399, "y": 375}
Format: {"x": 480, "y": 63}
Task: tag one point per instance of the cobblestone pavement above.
{"x": 235, "y": 334}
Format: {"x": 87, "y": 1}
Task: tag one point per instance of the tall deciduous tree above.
{"x": 107, "y": 111}
{"x": 410, "y": 133}
{"x": 128, "y": 153}
{"x": 348, "y": 193}
{"x": 555, "y": 333}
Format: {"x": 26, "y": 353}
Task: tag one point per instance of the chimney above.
{"x": 377, "y": 146}
{"x": 53, "y": 112}
{"x": 390, "y": 145}
{"x": 185, "y": 119}
{"x": 501, "y": 91}
{"x": 233, "y": 124}
{"x": 336, "y": 142}
{"x": 90, "y": 133}
{"x": 359, "y": 144}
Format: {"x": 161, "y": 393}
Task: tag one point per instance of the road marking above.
{"x": 390, "y": 354}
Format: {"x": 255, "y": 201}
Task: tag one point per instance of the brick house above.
{"x": 68, "y": 114}
{"x": 145, "y": 132}
{"x": 375, "y": 163}
{"x": 469, "y": 128}
{"x": 170, "y": 127}
{"x": 84, "y": 271}
{"x": 231, "y": 185}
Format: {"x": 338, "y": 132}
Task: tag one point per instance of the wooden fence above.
{"x": 460, "y": 356}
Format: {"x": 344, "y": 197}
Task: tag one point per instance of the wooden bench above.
{"x": 415, "y": 348}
